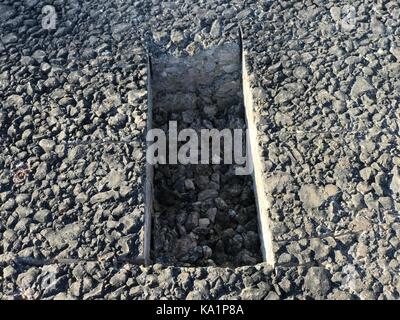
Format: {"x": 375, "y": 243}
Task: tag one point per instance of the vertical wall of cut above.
{"x": 261, "y": 201}
{"x": 149, "y": 172}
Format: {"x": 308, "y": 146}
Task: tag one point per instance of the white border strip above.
{"x": 149, "y": 174}
{"x": 264, "y": 222}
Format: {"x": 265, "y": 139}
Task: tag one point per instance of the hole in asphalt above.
{"x": 203, "y": 214}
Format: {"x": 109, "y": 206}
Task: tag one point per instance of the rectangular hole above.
{"x": 204, "y": 214}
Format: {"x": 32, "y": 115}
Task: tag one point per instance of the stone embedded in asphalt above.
{"x": 311, "y": 196}
{"x": 103, "y": 196}
{"x": 361, "y": 86}
{"x": 42, "y": 216}
{"x": 14, "y": 101}
{"x": 66, "y": 236}
{"x": 395, "y": 182}
{"x": 396, "y": 52}
{"x": 317, "y": 281}
{"x": 177, "y": 37}
{"x": 207, "y": 194}
{"x": 47, "y": 145}
{"x": 215, "y": 31}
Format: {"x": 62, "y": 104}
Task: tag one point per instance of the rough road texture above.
{"x": 326, "y": 101}
{"x": 67, "y": 189}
